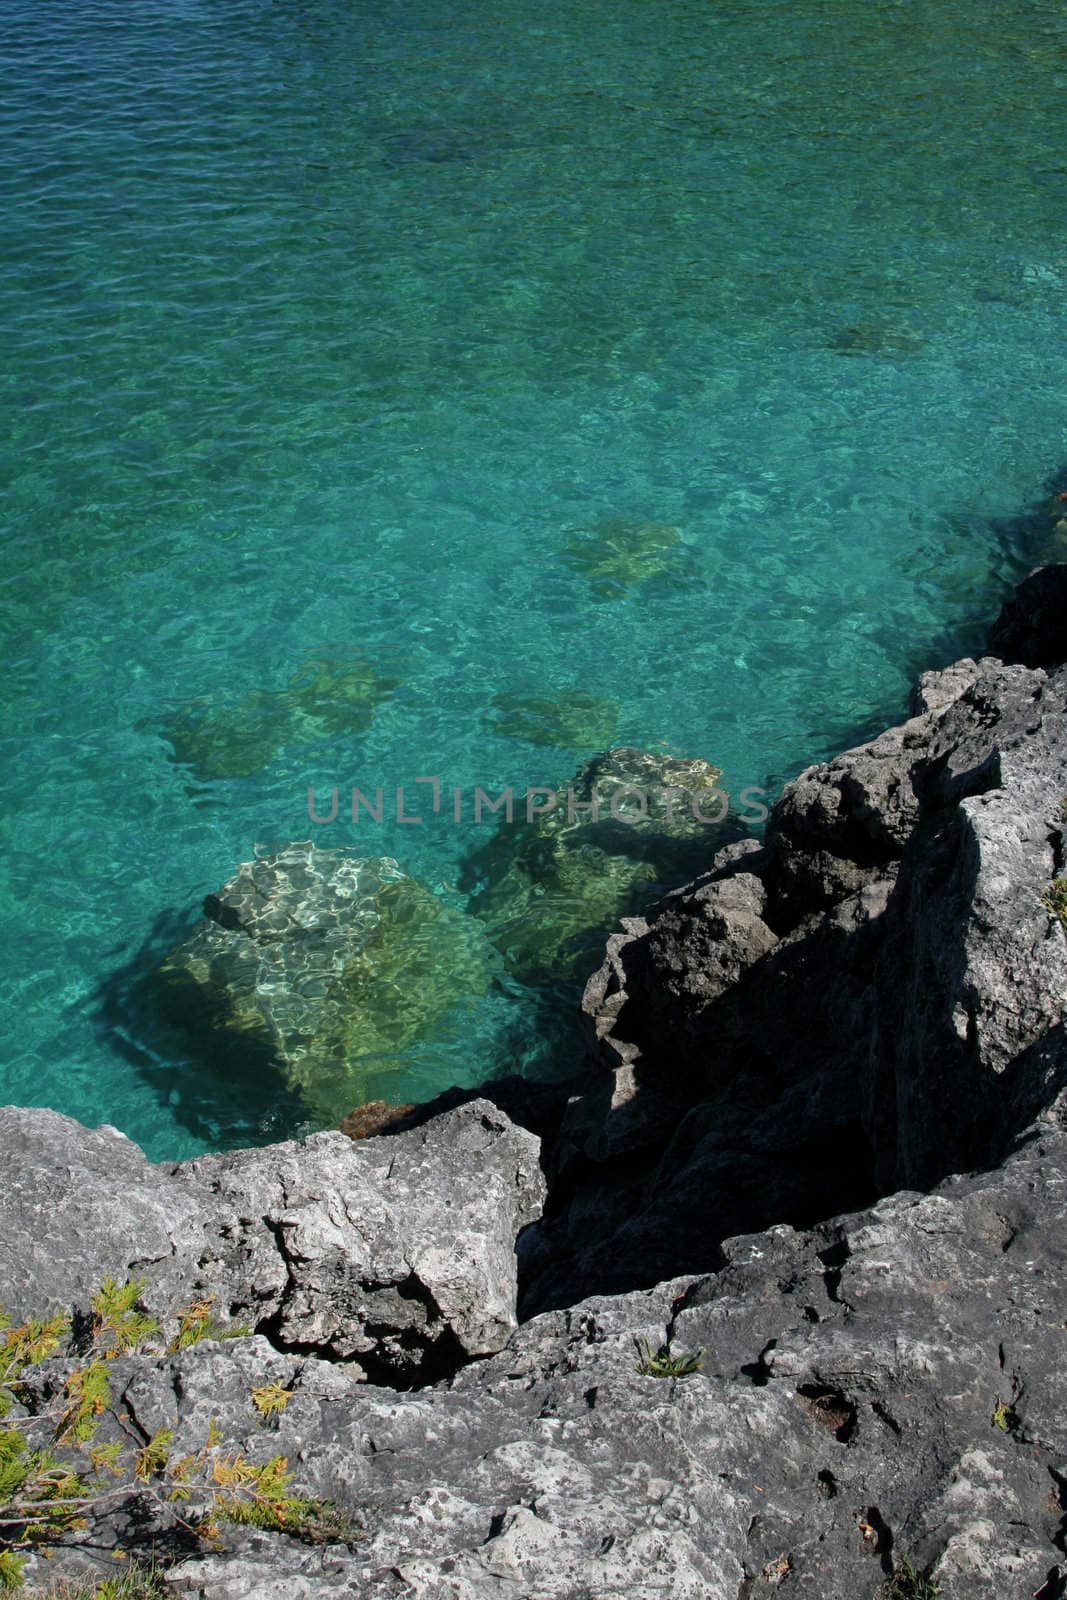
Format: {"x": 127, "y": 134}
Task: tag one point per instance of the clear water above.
{"x": 328, "y": 326}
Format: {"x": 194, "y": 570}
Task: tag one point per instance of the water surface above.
{"x": 354, "y": 332}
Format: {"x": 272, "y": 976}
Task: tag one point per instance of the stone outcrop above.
{"x": 396, "y": 1256}
{"x": 821, "y": 1152}
{"x": 871, "y": 999}
{"x": 888, "y": 1386}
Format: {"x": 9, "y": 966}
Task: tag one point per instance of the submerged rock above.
{"x": 551, "y": 886}
{"x": 332, "y": 965}
{"x": 875, "y": 339}
{"x": 328, "y": 695}
{"x": 374, "y": 1117}
{"x": 618, "y": 553}
{"x": 569, "y": 720}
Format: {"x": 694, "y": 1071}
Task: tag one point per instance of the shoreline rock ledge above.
{"x": 822, "y": 1150}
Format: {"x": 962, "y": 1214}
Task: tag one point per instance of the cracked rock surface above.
{"x": 871, "y": 999}
{"x": 396, "y": 1254}
{"x": 843, "y": 1419}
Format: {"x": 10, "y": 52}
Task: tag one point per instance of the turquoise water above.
{"x": 335, "y": 328}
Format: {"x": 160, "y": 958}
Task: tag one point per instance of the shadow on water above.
{"x": 224, "y": 1091}
{"x": 1033, "y": 537}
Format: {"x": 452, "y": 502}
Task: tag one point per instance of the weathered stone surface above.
{"x": 843, "y": 1420}
{"x": 395, "y": 1254}
{"x": 879, "y": 987}
{"x": 330, "y": 965}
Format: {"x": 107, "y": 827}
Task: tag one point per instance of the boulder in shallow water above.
{"x": 329, "y": 694}
{"x": 875, "y": 339}
{"x": 331, "y": 965}
{"x": 551, "y": 886}
{"x": 569, "y": 720}
{"x": 616, "y": 554}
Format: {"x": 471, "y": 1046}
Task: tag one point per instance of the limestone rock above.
{"x": 843, "y": 1420}
{"x": 397, "y": 1255}
{"x": 880, "y": 987}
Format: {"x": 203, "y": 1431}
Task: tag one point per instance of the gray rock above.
{"x": 843, "y": 1419}
{"x": 880, "y": 988}
{"x": 397, "y": 1255}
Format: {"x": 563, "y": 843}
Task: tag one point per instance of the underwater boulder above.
{"x": 616, "y": 554}
{"x": 334, "y": 693}
{"x": 875, "y": 339}
{"x": 570, "y": 720}
{"x": 329, "y": 694}
{"x": 548, "y": 889}
{"x": 219, "y": 740}
{"x": 330, "y": 966}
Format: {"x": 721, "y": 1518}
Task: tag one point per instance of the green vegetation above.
{"x": 1005, "y": 1417}
{"x": 195, "y": 1323}
{"x": 271, "y": 1400}
{"x": 118, "y": 1323}
{"x": 1054, "y": 901}
{"x": 135, "y": 1582}
{"x": 70, "y": 1454}
{"x": 662, "y": 1364}
{"x": 908, "y": 1583}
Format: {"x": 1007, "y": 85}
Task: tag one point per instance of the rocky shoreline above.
{"x": 821, "y": 1150}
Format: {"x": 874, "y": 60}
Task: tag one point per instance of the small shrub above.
{"x": 908, "y": 1583}
{"x": 195, "y": 1323}
{"x": 118, "y": 1322}
{"x": 662, "y": 1364}
{"x": 1005, "y": 1416}
{"x": 258, "y": 1496}
{"x": 137, "y": 1582}
{"x": 271, "y": 1399}
{"x": 1054, "y": 901}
